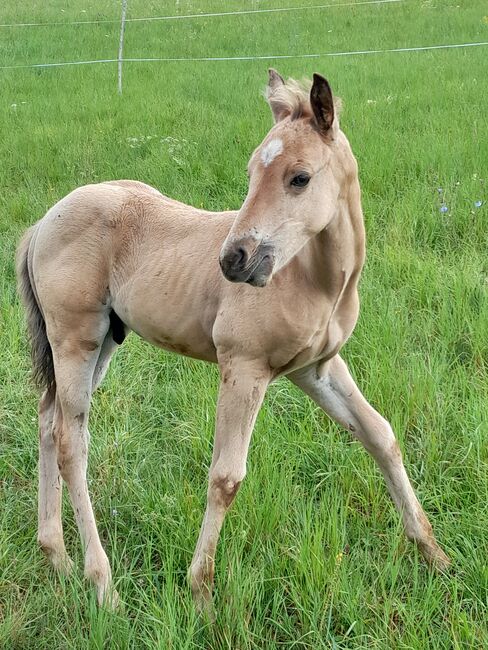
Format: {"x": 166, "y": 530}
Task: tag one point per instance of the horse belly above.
{"x": 174, "y": 321}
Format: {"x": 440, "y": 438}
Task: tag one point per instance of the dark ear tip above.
{"x": 318, "y": 79}
{"x": 322, "y": 102}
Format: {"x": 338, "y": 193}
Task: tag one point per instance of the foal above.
{"x": 120, "y": 256}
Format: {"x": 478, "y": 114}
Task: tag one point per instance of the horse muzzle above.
{"x": 244, "y": 261}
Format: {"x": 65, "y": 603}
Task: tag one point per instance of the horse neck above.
{"x": 335, "y": 256}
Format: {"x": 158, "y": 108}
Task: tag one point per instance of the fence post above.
{"x": 121, "y": 44}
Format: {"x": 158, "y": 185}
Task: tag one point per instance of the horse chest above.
{"x": 302, "y": 338}
{"x": 311, "y": 331}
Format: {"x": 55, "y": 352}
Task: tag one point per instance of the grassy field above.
{"x": 312, "y": 554}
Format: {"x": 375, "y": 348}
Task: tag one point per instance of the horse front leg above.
{"x": 331, "y": 386}
{"x": 242, "y": 388}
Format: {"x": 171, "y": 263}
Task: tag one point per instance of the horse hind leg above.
{"x": 334, "y": 390}
{"x": 75, "y": 362}
{"x": 50, "y": 530}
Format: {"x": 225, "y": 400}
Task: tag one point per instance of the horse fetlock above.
{"x": 52, "y": 545}
{"x": 420, "y": 531}
{"x": 434, "y": 554}
{"x": 417, "y": 527}
{"x": 50, "y": 538}
{"x": 201, "y": 577}
{"x": 201, "y": 574}
{"x": 97, "y": 568}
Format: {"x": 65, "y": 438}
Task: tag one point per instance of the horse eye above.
{"x": 300, "y": 180}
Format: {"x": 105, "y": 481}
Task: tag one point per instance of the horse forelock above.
{"x": 293, "y": 97}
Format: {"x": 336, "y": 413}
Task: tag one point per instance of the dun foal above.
{"x": 120, "y": 256}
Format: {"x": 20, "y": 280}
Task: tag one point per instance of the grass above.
{"x": 312, "y": 555}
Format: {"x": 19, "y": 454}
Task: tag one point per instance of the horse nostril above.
{"x": 234, "y": 261}
{"x": 240, "y": 258}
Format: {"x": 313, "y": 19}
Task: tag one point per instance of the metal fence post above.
{"x": 121, "y": 44}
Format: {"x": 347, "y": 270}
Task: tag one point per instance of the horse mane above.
{"x": 293, "y": 98}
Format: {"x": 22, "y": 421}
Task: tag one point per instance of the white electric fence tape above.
{"x": 266, "y": 57}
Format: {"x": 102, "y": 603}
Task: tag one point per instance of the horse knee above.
{"x": 223, "y": 486}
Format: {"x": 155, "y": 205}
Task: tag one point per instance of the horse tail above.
{"x": 41, "y": 352}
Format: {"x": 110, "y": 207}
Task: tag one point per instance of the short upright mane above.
{"x": 293, "y": 97}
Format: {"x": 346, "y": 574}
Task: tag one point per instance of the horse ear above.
{"x": 275, "y": 79}
{"x": 322, "y": 103}
{"x": 278, "y": 107}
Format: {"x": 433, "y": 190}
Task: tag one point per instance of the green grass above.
{"x": 312, "y": 554}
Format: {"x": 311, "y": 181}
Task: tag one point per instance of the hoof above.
{"x": 108, "y": 599}
{"x": 205, "y": 608}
